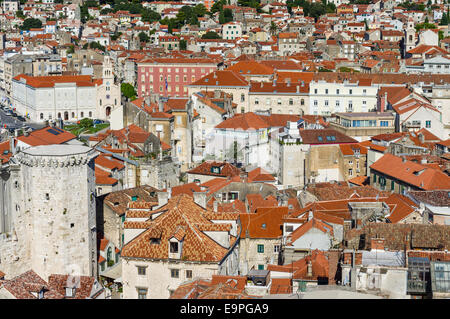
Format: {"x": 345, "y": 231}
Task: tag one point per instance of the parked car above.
{"x": 97, "y": 121}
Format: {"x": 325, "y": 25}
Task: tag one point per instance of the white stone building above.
{"x": 177, "y": 242}
{"x": 326, "y": 98}
{"x": 48, "y": 219}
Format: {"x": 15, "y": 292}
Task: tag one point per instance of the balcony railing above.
{"x": 416, "y": 286}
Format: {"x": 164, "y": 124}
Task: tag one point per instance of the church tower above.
{"x": 410, "y": 36}
{"x": 108, "y": 74}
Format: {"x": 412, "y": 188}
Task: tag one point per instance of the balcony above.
{"x": 416, "y": 286}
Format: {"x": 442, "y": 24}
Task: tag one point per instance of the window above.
{"x": 142, "y": 293}
{"x": 173, "y": 247}
{"x": 174, "y": 273}
{"x": 289, "y": 229}
{"x": 428, "y": 124}
{"x": 350, "y": 172}
{"x": 291, "y": 102}
{"x": 350, "y": 91}
{"x": 70, "y": 292}
{"x": 256, "y": 101}
{"x": 141, "y": 270}
{"x": 302, "y": 102}
{"x": 337, "y": 91}
{"x": 242, "y": 97}
{"x": 276, "y": 248}
{"x": 188, "y": 273}
{"x": 392, "y": 185}
{"x": 260, "y": 267}
{"x": 47, "y": 196}
{"x": 260, "y": 248}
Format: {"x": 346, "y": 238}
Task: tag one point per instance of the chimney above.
{"x": 163, "y": 198}
{"x": 12, "y": 147}
{"x": 377, "y": 244}
{"x": 421, "y": 138}
{"x": 200, "y": 199}
{"x": 147, "y": 100}
{"x": 309, "y": 271}
{"x": 298, "y": 89}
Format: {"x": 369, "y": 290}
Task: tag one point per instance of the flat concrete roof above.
{"x": 366, "y": 114}
{"x": 57, "y": 150}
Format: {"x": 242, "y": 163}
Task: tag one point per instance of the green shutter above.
{"x": 260, "y": 267}
{"x": 260, "y": 248}
{"x": 392, "y": 185}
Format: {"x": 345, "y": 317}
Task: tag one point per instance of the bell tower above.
{"x": 410, "y": 36}
{"x": 108, "y": 69}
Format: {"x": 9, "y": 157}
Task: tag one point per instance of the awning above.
{"x": 114, "y": 272}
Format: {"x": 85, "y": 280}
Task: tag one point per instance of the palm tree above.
{"x": 273, "y": 28}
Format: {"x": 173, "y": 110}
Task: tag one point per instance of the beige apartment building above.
{"x": 362, "y": 125}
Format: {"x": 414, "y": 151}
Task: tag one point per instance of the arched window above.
{"x": 73, "y": 114}
{"x": 82, "y": 114}
{"x": 59, "y": 115}
{"x": 109, "y": 254}
{"x": 90, "y": 114}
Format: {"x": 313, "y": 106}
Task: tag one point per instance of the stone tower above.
{"x": 108, "y": 74}
{"x": 410, "y": 36}
{"x": 54, "y": 229}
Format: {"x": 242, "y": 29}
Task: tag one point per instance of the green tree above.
{"x": 183, "y": 44}
{"x": 273, "y": 28}
{"x": 143, "y": 37}
{"x": 19, "y": 14}
{"x": 210, "y": 35}
{"x": 128, "y": 90}
{"x": 86, "y": 123}
{"x": 96, "y": 45}
{"x": 31, "y": 23}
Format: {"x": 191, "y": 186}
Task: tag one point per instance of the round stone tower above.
{"x": 58, "y": 187}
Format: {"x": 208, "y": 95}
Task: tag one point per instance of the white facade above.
{"x": 53, "y": 224}
{"x": 326, "y": 98}
{"x": 65, "y": 100}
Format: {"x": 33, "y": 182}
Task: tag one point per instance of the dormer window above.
{"x": 134, "y": 198}
{"x": 174, "y": 247}
{"x": 70, "y": 292}
{"x": 215, "y": 169}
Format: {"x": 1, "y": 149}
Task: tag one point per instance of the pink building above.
{"x": 169, "y": 76}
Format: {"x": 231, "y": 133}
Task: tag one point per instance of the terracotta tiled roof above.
{"x": 250, "y": 120}
{"x": 251, "y": 68}
{"x": 49, "y": 81}
{"x": 418, "y": 175}
{"x": 226, "y": 169}
{"x": 179, "y": 213}
{"x": 118, "y": 201}
{"x": 299, "y": 268}
{"x": 260, "y": 175}
{"x": 265, "y": 223}
{"x": 303, "y": 229}
{"x": 5, "y": 153}
{"x": 325, "y": 136}
{"x": 221, "y": 78}
{"x": 421, "y": 236}
{"x": 46, "y": 136}
{"x": 433, "y": 198}
{"x": 349, "y": 149}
